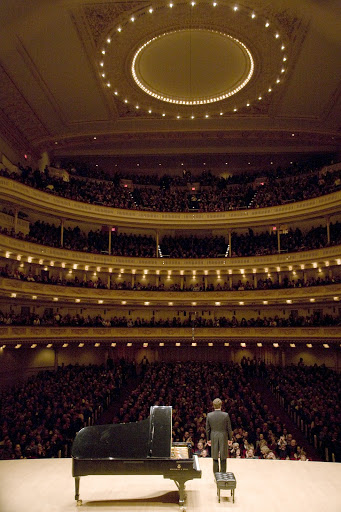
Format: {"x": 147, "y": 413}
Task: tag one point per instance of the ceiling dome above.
{"x": 192, "y": 66}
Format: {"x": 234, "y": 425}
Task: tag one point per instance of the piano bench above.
{"x": 225, "y": 481}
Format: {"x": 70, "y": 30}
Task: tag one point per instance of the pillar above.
{"x": 61, "y": 232}
{"x": 328, "y": 230}
{"x": 16, "y": 220}
{"x": 44, "y": 161}
{"x": 230, "y": 243}
{"x": 278, "y": 240}
{"x": 205, "y": 280}
{"x": 181, "y": 282}
{"x": 109, "y": 242}
{"x": 255, "y": 280}
{"x": 157, "y": 243}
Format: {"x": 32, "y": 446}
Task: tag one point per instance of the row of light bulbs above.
{"x": 162, "y": 344}
{"x": 13, "y": 295}
{"x": 195, "y": 102}
{"x": 242, "y": 271}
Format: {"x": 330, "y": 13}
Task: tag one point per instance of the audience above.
{"x": 190, "y": 387}
{"x": 173, "y": 194}
{"x": 143, "y": 246}
{"x": 314, "y": 393}
{"x": 40, "y": 418}
{"x": 17, "y": 272}
{"x": 49, "y": 318}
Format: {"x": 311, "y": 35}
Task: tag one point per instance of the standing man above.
{"x": 219, "y": 435}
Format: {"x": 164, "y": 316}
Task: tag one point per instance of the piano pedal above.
{"x": 79, "y": 503}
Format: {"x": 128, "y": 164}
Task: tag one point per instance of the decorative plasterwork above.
{"x": 18, "y": 110}
{"x": 265, "y": 38}
{"x": 72, "y": 334}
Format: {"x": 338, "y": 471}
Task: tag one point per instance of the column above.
{"x": 255, "y": 280}
{"x": 132, "y": 280}
{"x": 205, "y": 280}
{"x": 230, "y": 243}
{"x": 279, "y": 278}
{"x": 16, "y": 220}
{"x": 157, "y": 243}
{"x": 279, "y": 240}
{"x": 109, "y": 281}
{"x": 230, "y": 281}
{"x": 328, "y": 230}
{"x": 61, "y": 232}
{"x": 109, "y": 248}
{"x": 181, "y": 282}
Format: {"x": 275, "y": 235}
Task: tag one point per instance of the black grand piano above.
{"x": 140, "y": 448}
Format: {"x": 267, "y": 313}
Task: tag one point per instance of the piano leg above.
{"x": 77, "y": 480}
{"x": 181, "y": 487}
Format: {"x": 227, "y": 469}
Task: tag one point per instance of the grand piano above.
{"x": 140, "y": 448}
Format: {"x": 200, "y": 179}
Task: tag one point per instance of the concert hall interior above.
{"x": 170, "y": 233}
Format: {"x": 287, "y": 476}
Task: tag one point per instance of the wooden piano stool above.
{"x": 226, "y": 481}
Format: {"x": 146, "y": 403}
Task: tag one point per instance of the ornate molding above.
{"x": 18, "y": 110}
{"x": 58, "y": 206}
{"x": 251, "y": 298}
{"x": 13, "y": 335}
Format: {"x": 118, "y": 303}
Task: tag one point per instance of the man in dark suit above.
{"x": 219, "y": 435}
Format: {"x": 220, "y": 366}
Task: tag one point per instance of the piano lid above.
{"x": 151, "y": 437}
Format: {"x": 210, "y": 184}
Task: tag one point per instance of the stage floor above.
{"x": 262, "y": 486}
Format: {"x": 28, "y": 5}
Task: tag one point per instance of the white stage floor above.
{"x": 262, "y": 486}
